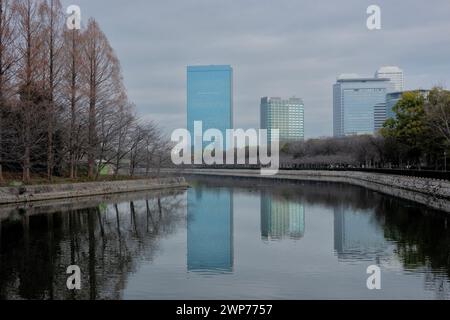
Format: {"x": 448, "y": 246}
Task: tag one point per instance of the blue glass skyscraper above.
{"x": 210, "y": 97}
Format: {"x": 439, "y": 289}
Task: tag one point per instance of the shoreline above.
{"x": 38, "y": 193}
{"x": 430, "y": 192}
{"x": 72, "y": 204}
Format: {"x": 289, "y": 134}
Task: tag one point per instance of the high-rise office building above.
{"x": 210, "y": 98}
{"x": 355, "y": 102}
{"x": 395, "y": 74}
{"x": 285, "y": 115}
{"x": 396, "y": 77}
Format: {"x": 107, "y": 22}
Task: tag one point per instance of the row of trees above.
{"x": 355, "y": 151}
{"x": 63, "y": 105}
{"x": 418, "y": 137}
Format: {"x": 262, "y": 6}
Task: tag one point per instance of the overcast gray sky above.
{"x": 276, "y": 47}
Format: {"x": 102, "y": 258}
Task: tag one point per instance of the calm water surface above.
{"x": 228, "y": 239}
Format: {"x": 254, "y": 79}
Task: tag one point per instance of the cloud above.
{"x": 277, "y": 48}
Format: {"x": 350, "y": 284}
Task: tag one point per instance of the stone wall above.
{"x": 34, "y": 193}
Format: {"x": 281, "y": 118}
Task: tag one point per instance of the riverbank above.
{"x": 14, "y": 179}
{"x": 430, "y": 192}
{"x": 35, "y": 193}
{"x": 75, "y": 204}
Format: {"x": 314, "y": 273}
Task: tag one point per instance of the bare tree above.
{"x": 137, "y": 137}
{"x": 152, "y": 145}
{"x": 52, "y": 18}
{"x": 102, "y": 73}
{"x": 62, "y": 98}
{"x": 347, "y": 151}
{"x": 8, "y": 60}
{"x": 437, "y": 108}
{"x": 30, "y": 45}
{"x": 73, "y": 97}
{"x": 114, "y": 121}
{"x": 121, "y": 141}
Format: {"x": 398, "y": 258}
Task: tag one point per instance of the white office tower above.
{"x": 395, "y": 74}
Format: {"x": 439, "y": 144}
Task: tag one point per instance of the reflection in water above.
{"x": 357, "y": 236}
{"x": 136, "y": 245}
{"x": 281, "y": 217}
{"x": 106, "y": 241}
{"x": 210, "y": 230}
{"x": 422, "y": 239}
{"x": 368, "y": 226}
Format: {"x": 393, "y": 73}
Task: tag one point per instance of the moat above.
{"x": 228, "y": 238}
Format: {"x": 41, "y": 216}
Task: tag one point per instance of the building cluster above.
{"x": 210, "y": 237}
{"x": 210, "y": 100}
{"x": 361, "y": 105}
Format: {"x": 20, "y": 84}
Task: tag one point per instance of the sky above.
{"x": 277, "y": 48}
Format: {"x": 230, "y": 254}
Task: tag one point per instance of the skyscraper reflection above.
{"x": 281, "y": 218}
{"x": 357, "y": 235}
{"x": 210, "y": 230}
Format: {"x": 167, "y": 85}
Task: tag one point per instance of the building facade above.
{"x": 210, "y": 98}
{"x": 379, "y": 115}
{"x": 395, "y": 74}
{"x": 355, "y": 102}
{"x": 288, "y": 116}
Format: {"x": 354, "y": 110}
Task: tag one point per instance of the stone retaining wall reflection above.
{"x": 431, "y": 192}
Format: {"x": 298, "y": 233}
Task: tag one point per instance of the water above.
{"x": 227, "y": 239}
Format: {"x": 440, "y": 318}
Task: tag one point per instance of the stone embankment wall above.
{"x": 431, "y": 192}
{"x": 9, "y": 195}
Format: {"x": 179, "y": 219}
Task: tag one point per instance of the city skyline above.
{"x": 208, "y": 150}
{"x": 300, "y": 54}
{"x": 361, "y": 105}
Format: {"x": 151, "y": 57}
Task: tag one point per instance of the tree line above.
{"x": 64, "y": 109}
{"x": 418, "y": 137}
